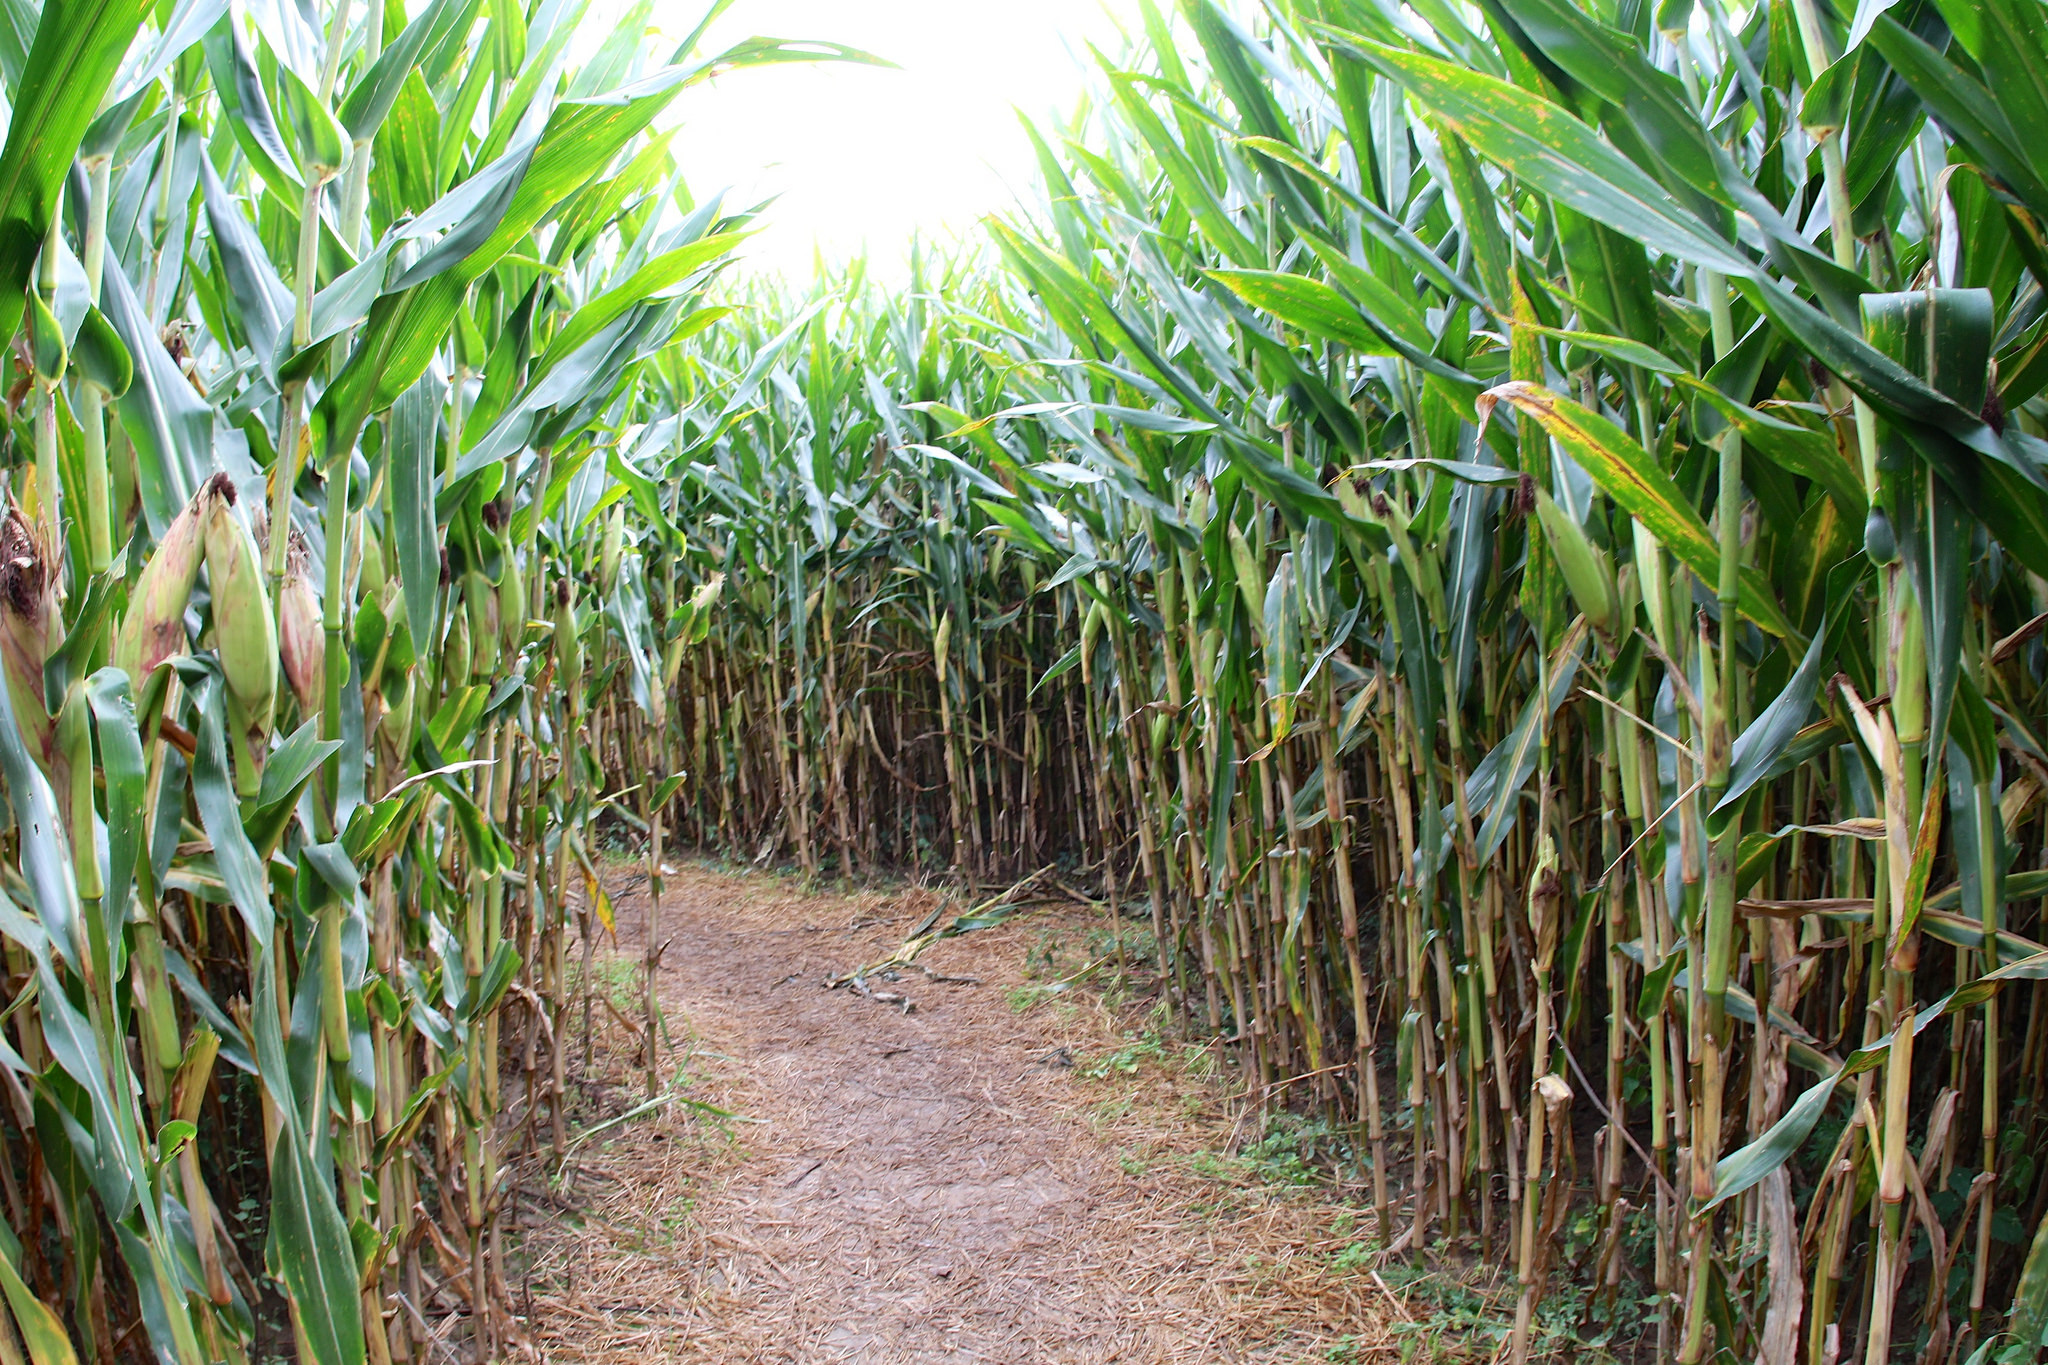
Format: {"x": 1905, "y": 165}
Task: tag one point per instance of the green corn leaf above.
{"x": 171, "y": 426}
{"x": 405, "y": 327}
{"x": 1972, "y": 113}
{"x": 187, "y": 25}
{"x": 1373, "y": 219}
{"x": 1657, "y": 984}
{"x": 323, "y": 143}
{"x": 1309, "y": 304}
{"x": 246, "y": 107}
{"x": 1190, "y": 184}
{"x": 78, "y": 48}
{"x": 1553, "y": 151}
{"x": 759, "y": 51}
{"x": 263, "y": 305}
{"x": 123, "y": 773}
{"x": 1496, "y": 783}
{"x": 1745, "y": 1167}
{"x": 1627, "y": 474}
{"x": 1801, "y": 449}
{"x": 415, "y": 450}
{"x": 2027, "y": 1320}
{"x": 101, "y": 356}
{"x": 221, "y": 815}
{"x": 307, "y": 1232}
{"x": 410, "y": 1118}
{"x": 290, "y": 767}
{"x": 41, "y": 1329}
{"x": 370, "y": 99}
{"x": 471, "y": 213}
{"x": 44, "y": 852}
{"x": 2005, "y": 39}
{"x": 46, "y": 340}
{"x": 538, "y": 66}
{"x": 492, "y": 985}
{"x": 1763, "y": 742}
{"x": 1491, "y": 254}
{"x": 664, "y": 272}
{"x": 1619, "y": 349}
{"x": 17, "y": 31}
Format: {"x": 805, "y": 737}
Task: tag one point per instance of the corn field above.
{"x": 1511, "y": 538}
{"x": 1514, "y": 535}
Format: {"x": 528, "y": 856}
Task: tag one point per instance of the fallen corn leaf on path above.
{"x": 968, "y": 1181}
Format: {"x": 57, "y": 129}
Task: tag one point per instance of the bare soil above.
{"x": 1008, "y": 1171}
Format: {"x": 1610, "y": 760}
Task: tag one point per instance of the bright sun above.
{"x": 863, "y": 158}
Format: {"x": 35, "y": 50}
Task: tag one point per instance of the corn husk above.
{"x": 455, "y": 653}
{"x": 370, "y": 576}
{"x": 73, "y": 779}
{"x": 1588, "y": 570}
{"x": 613, "y": 546}
{"x": 511, "y": 606}
{"x": 245, "y": 636}
{"x": 568, "y": 647}
{"x": 31, "y": 626}
{"x": 394, "y": 725}
{"x": 480, "y": 602}
{"x": 302, "y": 641}
{"x": 154, "y": 627}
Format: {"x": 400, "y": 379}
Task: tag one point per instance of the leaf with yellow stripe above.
{"x": 1626, "y": 473}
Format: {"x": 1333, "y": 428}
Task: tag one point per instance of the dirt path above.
{"x": 967, "y": 1181}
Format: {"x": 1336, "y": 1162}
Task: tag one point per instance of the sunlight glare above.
{"x": 862, "y": 158}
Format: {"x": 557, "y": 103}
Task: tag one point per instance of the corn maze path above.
{"x": 967, "y": 1181}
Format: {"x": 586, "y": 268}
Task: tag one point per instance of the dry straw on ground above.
{"x": 942, "y": 1184}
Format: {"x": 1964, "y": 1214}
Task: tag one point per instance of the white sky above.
{"x": 864, "y": 157}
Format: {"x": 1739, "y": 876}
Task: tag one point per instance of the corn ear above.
{"x": 157, "y": 1013}
{"x": 1091, "y": 630}
{"x": 1587, "y": 569}
{"x": 568, "y": 648}
{"x": 302, "y": 642}
{"x": 613, "y": 547}
{"x": 706, "y": 597}
{"x": 74, "y": 780}
{"x": 455, "y": 653}
{"x": 153, "y": 628}
{"x": 1251, "y": 581}
{"x": 511, "y": 607}
{"x": 31, "y": 627}
{"x": 370, "y": 577}
{"x": 480, "y": 603}
{"x": 245, "y": 635}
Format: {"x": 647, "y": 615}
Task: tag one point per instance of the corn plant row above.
{"x": 1515, "y": 537}
{"x": 326, "y": 321}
